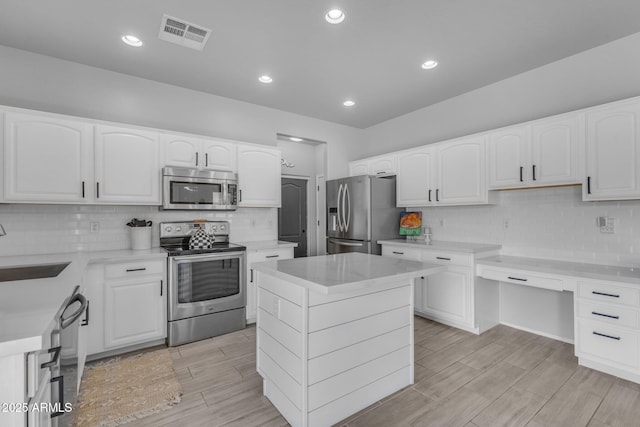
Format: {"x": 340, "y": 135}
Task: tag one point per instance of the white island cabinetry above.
{"x": 335, "y": 333}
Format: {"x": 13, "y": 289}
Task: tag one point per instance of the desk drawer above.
{"x": 446, "y": 258}
{"x": 608, "y": 343}
{"x": 414, "y": 254}
{"x": 131, "y": 268}
{"x": 522, "y": 278}
{"x": 607, "y": 293}
{"x": 612, "y": 314}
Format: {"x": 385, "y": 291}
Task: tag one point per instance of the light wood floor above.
{"x": 504, "y": 377}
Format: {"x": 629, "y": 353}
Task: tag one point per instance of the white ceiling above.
{"x": 373, "y": 57}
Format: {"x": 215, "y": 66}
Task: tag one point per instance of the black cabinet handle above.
{"x": 437, "y": 194}
{"x": 129, "y": 270}
{"x": 610, "y": 316}
{"x": 206, "y": 159}
{"x": 429, "y": 195}
{"x": 521, "y": 169}
{"x": 443, "y": 258}
{"x": 588, "y": 185}
{"x": 54, "y": 358}
{"x": 197, "y": 158}
{"x": 273, "y": 256}
{"x": 97, "y": 190}
{"x": 60, "y": 406}
{"x": 534, "y": 172}
{"x": 606, "y": 336}
{"x": 517, "y": 278}
{"x": 604, "y": 294}
{"x": 251, "y": 279}
{"x": 398, "y": 253}
{"x": 83, "y": 189}
{"x": 85, "y": 322}
{"x": 161, "y": 283}
{"x": 240, "y": 191}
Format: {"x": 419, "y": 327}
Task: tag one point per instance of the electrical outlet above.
{"x": 95, "y": 227}
{"x": 606, "y": 224}
{"x": 505, "y": 223}
{"x": 442, "y": 223}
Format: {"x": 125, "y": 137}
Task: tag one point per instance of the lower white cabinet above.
{"x": 260, "y": 255}
{"x": 607, "y": 327}
{"x": 127, "y": 304}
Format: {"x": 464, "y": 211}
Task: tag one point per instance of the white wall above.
{"x": 603, "y": 74}
{"x": 40, "y": 82}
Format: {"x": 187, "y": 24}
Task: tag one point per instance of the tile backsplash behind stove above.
{"x": 37, "y": 229}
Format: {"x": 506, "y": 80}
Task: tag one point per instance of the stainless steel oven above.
{"x": 207, "y": 286}
{"x": 189, "y": 188}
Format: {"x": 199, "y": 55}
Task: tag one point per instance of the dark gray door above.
{"x": 292, "y": 216}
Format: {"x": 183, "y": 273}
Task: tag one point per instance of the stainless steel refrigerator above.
{"x": 360, "y": 211}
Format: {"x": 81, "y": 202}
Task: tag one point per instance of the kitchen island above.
{"x": 335, "y": 333}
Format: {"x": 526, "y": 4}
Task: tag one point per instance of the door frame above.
{"x": 310, "y": 220}
{"x": 321, "y": 214}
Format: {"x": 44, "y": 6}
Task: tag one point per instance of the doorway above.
{"x": 292, "y": 215}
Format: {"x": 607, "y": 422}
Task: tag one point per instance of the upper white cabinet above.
{"x": 127, "y": 168}
{"x": 613, "y": 152}
{"x": 449, "y": 173}
{"x": 208, "y": 154}
{"x": 415, "y": 177}
{"x": 461, "y": 173}
{"x": 546, "y": 152}
{"x": 381, "y": 165}
{"x": 46, "y": 159}
{"x": 258, "y": 176}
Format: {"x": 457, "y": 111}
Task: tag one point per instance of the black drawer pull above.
{"x": 588, "y": 185}
{"x": 534, "y": 172}
{"x": 60, "y": 403}
{"x": 429, "y": 195}
{"x": 129, "y": 270}
{"x": 273, "y": 256}
{"x": 443, "y": 258}
{"x": 251, "y": 280}
{"x": 521, "y": 168}
{"x": 606, "y": 336}
{"x": 610, "y": 316}
{"x": 517, "y": 278}
{"x": 398, "y": 253}
{"x": 85, "y": 322}
{"x": 604, "y": 294}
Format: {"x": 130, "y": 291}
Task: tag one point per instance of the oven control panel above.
{"x": 184, "y": 229}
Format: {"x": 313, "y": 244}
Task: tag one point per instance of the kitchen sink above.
{"x": 35, "y": 271}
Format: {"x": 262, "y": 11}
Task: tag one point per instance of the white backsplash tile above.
{"x": 545, "y": 223}
{"x": 36, "y": 229}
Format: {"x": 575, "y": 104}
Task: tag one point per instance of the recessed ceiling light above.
{"x": 427, "y": 65}
{"x": 334, "y": 16}
{"x": 295, "y": 139}
{"x": 265, "y": 79}
{"x": 132, "y": 40}
{"x": 348, "y": 103}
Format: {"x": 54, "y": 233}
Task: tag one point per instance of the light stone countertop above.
{"x": 27, "y": 307}
{"x": 460, "y": 247}
{"x": 266, "y": 244}
{"x": 565, "y": 268}
{"x": 331, "y": 274}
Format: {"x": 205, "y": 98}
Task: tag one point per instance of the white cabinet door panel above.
{"x": 448, "y": 294}
{"x": 258, "y": 176}
{"x": 127, "y": 168}
{"x": 555, "y": 152}
{"x": 461, "y": 172}
{"x": 508, "y": 157}
{"x": 613, "y": 153}
{"x": 414, "y": 178}
{"x": 46, "y": 159}
{"x": 219, "y": 155}
{"x": 360, "y": 167}
{"x": 180, "y": 151}
{"x": 383, "y": 165}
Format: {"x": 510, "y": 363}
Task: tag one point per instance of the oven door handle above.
{"x": 65, "y": 322}
{"x": 207, "y": 256}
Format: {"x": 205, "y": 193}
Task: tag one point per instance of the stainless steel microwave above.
{"x": 194, "y": 189}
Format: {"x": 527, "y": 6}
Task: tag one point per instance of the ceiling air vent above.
{"x": 183, "y": 33}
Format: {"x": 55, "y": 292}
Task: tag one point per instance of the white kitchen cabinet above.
{"x": 545, "y": 152}
{"x": 447, "y": 295}
{"x": 360, "y": 167}
{"x": 46, "y": 159}
{"x": 613, "y": 152}
{"x": 415, "y": 178}
{"x": 260, "y": 255}
{"x": 127, "y": 167}
{"x": 40, "y": 399}
{"x": 205, "y": 154}
{"x": 258, "y": 176}
{"x": 127, "y": 304}
{"x": 461, "y": 173}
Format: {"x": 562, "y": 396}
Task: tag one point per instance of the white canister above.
{"x": 140, "y": 238}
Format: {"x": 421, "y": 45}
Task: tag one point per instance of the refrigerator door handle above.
{"x": 338, "y": 210}
{"x": 342, "y": 207}
{"x": 348, "y": 204}
{"x": 340, "y": 243}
